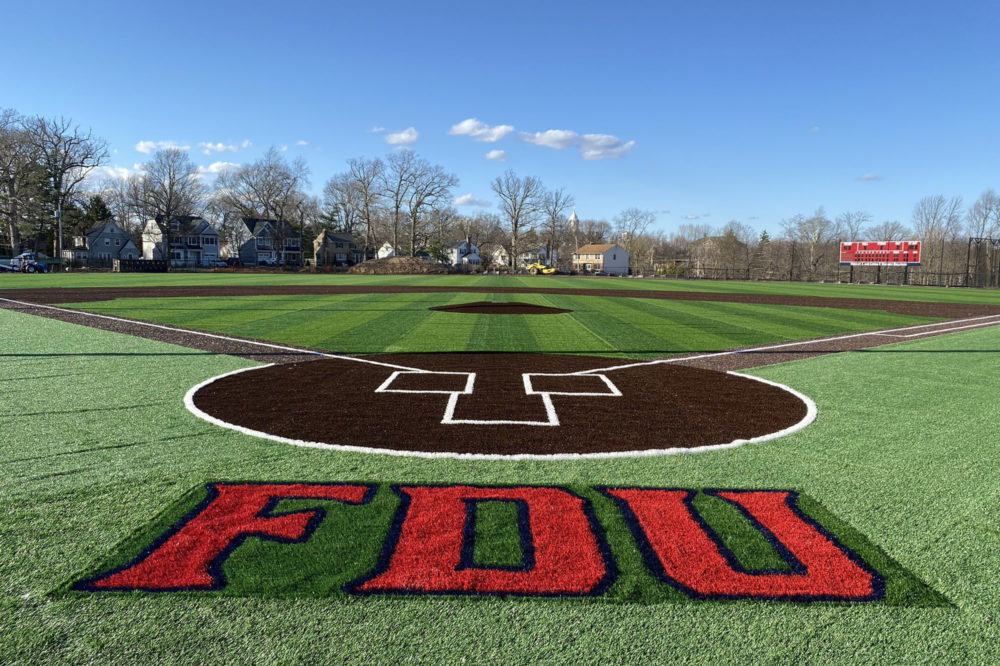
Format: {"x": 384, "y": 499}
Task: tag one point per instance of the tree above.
{"x": 630, "y": 225}
{"x": 268, "y": 189}
{"x": 554, "y": 207}
{"x": 521, "y": 202}
{"x": 68, "y": 155}
{"x": 397, "y": 180}
{"x": 888, "y": 231}
{"x": 983, "y": 217}
{"x": 935, "y": 221}
{"x": 168, "y": 187}
{"x": 20, "y": 176}
{"x": 430, "y": 187}
{"x": 366, "y": 176}
{"x": 853, "y": 223}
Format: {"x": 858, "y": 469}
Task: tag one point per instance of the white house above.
{"x": 606, "y": 258}
{"x": 462, "y": 252}
{"x": 193, "y": 241}
{"x": 106, "y": 241}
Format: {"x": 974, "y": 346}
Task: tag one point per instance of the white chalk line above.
{"x": 811, "y": 413}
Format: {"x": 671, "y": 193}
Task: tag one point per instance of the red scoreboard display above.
{"x": 880, "y": 253}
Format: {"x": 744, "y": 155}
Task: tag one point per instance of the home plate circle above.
{"x": 500, "y": 405}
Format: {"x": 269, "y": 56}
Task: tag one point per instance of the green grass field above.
{"x": 374, "y": 323}
{"x": 82, "y": 279}
{"x": 97, "y": 452}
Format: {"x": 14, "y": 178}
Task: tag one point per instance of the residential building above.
{"x": 106, "y": 241}
{"x": 462, "y": 252}
{"x": 333, "y": 249}
{"x": 193, "y": 241}
{"x": 606, "y": 258}
{"x": 271, "y": 242}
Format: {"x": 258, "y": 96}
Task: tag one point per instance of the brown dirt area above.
{"x": 662, "y": 406}
{"x": 489, "y": 307}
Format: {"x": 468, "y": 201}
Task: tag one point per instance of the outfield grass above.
{"x": 371, "y": 323}
{"x": 83, "y": 279}
{"x": 95, "y": 443}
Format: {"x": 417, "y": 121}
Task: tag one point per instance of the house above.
{"x": 606, "y": 258}
{"x": 462, "y": 252}
{"x": 332, "y": 249}
{"x": 385, "y": 251}
{"x": 261, "y": 241}
{"x": 106, "y": 241}
{"x": 193, "y": 241}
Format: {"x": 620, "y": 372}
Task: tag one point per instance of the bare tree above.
{"x": 816, "y": 234}
{"x": 68, "y": 155}
{"x": 521, "y": 202}
{"x": 430, "y": 187}
{"x": 554, "y": 207}
{"x": 397, "y": 181}
{"x": 853, "y": 223}
{"x": 19, "y": 174}
{"x": 936, "y": 220}
{"x": 888, "y": 231}
{"x": 630, "y": 225}
{"x": 983, "y": 217}
{"x": 169, "y": 187}
{"x": 268, "y": 189}
{"x": 366, "y": 176}
{"x": 343, "y": 203}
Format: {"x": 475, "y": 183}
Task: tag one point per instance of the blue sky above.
{"x": 708, "y": 111}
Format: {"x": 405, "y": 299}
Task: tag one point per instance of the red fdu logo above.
{"x": 560, "y": 547}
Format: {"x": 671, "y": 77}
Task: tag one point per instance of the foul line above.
{"x": 215, "y": 336}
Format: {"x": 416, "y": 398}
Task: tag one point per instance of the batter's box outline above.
{"x": 552, "y": 416}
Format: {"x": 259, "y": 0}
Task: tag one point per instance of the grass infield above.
{"x": 96, "y": 446}
{"x": 400, "y": 323}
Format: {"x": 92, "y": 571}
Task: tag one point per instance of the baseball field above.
{"x": 266, "y": 468}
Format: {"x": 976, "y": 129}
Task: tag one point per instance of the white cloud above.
{"x": 102, "y": 173}
{"x": 301, "y": 142}
{"x": 407, "y": 137}
{"x": 480, "y": 131}
{"x": 470, "y": 200}
{"x": 497, "y": 155}
{"x": 603, "y": 146}
{"x": 208, "y": 147}
{"x": 558, "y": 139}
{"x": 216, "y": 168}
{"x": 870, "y": 177}
{"x": 149, "y": 146}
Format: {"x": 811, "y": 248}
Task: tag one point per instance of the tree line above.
{"x": 47, "y": 194}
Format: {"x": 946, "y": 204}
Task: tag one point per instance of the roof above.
{"x": 595, "y": 248}
{"x": 256, "y": 225}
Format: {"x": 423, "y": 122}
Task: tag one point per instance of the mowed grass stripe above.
{"x": 374, "y": 323}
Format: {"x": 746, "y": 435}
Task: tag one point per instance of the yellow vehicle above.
{"x": 540, "y": 268}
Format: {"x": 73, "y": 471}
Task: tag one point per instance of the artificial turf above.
{"x": 95, "y": 444}
{"x": 400, "y": 323}
{"x": 261, "y": 278}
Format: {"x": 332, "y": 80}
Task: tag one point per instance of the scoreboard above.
{"x": 880, "y": 253}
